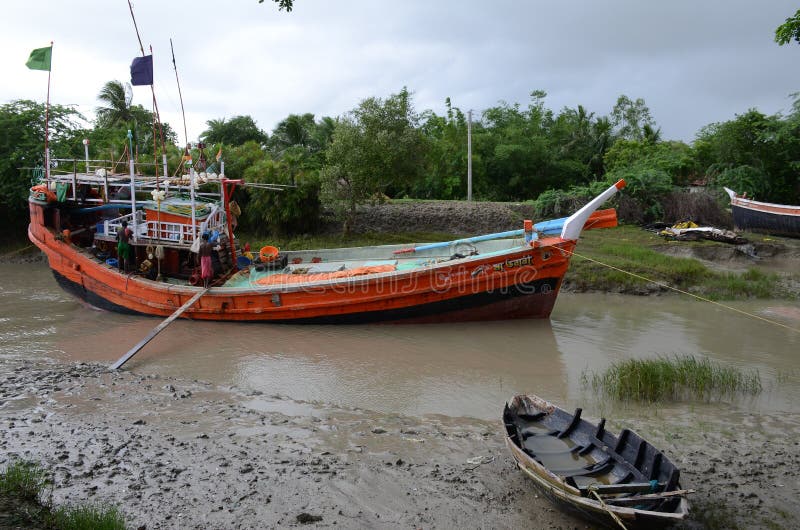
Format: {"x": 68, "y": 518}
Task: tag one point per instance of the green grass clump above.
{"x": 750, "y": 284}
{"x": 87, "y": 517}
{"x": 23, "y": 480}
{"x": 663, "y": 379}
{"x": 22, "y": 487}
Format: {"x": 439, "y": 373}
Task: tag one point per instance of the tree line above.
{"x": 384, "y": 148}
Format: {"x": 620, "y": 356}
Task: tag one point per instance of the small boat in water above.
{"x": 604, "y": 478}
{"x": 766, "y": 217}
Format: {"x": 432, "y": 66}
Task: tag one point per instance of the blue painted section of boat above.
{"x": 547, "y": 228}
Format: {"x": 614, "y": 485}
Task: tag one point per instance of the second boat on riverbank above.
{"x": 766, "y": 217}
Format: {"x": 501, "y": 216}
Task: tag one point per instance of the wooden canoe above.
{"x": 613, "y": 481}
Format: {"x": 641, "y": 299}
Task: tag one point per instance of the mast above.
{"x": 180, "y": 95}
{"x": 47, "y": 123}
{"x": 156, "y": 113}
{"x": 133, "y": 187}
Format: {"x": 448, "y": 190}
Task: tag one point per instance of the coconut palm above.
{"x": 294, "y": 131}
{"x": 117, "y": 98}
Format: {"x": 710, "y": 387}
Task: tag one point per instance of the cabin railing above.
{"x": 151, "y": 230}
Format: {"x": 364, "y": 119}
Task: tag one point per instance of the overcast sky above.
{"x": 694, "y": 62}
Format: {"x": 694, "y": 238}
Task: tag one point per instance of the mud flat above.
{"x": 187, "y": 454}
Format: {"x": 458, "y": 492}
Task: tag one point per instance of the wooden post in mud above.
{"x": 158, "y": 329}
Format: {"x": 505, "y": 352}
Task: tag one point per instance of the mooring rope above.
{"x": 701, "y": 298}
{"x": 15, "y": 251}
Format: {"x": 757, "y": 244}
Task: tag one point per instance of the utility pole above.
{"x": 469, "y": 155}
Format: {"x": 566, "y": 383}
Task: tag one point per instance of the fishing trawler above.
{"x": 75, "y": 218}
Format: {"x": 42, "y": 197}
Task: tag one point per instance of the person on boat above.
{"x": 236, "y": 211}
{"x": 124, "y": 254}
{"x": 206, "y": 268}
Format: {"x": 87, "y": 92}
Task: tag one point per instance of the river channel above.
{"x": 450, "y": 369}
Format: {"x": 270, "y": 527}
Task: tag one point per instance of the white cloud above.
{"x": 693, "y": 62}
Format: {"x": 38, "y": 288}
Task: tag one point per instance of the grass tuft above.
{"x": 22, "y": 485}
{"x": 670, "y": 379}
{"x": 24, "y": 480}
{"x": 88, "y": 517}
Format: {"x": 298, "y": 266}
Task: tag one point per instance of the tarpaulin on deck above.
{"x": 284, "y": 279}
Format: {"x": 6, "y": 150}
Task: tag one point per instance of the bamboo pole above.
{"x": 158, "y": 329}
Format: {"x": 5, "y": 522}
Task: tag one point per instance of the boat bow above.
{"x": 574, "y": 223}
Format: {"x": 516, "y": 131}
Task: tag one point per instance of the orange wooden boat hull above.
{"x": 523, "y": 283}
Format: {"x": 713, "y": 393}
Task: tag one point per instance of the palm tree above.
{"x": 602, "y": 140}
{"x": 323, "y": 135}
{"x": 651, "y": 135}
{"x": 295, "y": 130}
{"x": 117, "y": 98}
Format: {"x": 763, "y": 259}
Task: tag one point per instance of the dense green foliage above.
{"x": 789, "y": 30}
{"x": 376, "y": 148}
{"x": 754, "y": 153}
{"x": 22, "y": 148}
{"x": 384, "y": 147}
{"x": 235, "y": 131}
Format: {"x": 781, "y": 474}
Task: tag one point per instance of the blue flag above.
{"x": 142, "y": 70}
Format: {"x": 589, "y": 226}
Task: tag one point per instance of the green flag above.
{"x": 40, "y": 59}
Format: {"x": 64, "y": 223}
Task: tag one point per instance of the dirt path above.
{"x": 184, "y": 454}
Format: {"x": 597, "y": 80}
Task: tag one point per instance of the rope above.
{"x": 606, "y": 508}
{"x": 701, "y": 298}
{"x": 16, "y": 251}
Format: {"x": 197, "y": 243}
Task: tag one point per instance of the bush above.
{"x": 295, "y": 210}
{"x": 561, "y": 203}
{"x": 643, "y": 194}
{"x": 744, "y": 179}
{"x": 701, "y": 207}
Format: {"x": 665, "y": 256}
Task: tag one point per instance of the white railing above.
{"x": 166, "y": 232}
{"x": 111, "y": 227}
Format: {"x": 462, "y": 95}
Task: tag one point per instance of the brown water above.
{"x": 455, "y": 370}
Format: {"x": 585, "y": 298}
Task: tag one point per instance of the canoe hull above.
{"x": 571, "y": 460}
{"x": 590, "y": 509}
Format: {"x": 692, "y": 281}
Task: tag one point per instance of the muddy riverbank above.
{"x": 174, "y": 453}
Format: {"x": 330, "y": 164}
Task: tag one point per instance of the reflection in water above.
{"x": 457, "y": 370}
